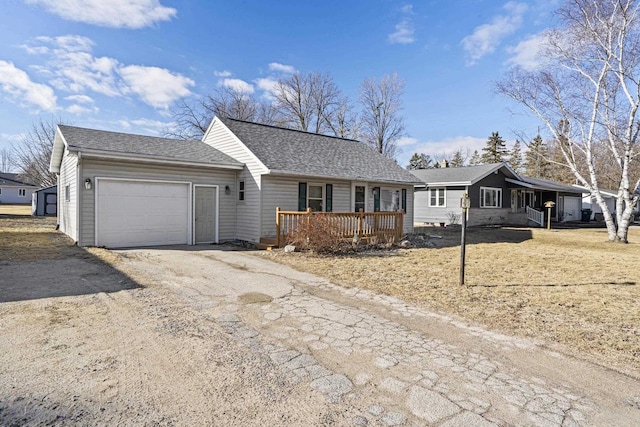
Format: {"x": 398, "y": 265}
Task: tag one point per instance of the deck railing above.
{"x": 385, "y": 225}
{"x": 535, "y": 215}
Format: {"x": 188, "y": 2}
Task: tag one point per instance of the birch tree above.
{"x": 588, "y": 80}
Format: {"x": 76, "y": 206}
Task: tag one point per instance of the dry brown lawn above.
{"x": 566, "y": 287}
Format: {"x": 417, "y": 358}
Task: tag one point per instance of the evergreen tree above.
{"x": 496, "y": 149}
{"x": 475, "y": 159}
{"x": 419, "y": 161}
{"x": 458, "y": 159}
{"x": 515, "y": 157}
{"x": 536, "y": 159}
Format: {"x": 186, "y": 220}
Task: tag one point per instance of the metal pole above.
{"x": 548, "y": 218}
{"x": 463, "y": 244}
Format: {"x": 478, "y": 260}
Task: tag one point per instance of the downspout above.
{"x": 79, "y": 190}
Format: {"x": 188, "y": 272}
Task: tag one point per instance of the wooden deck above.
{"x": 347, "y": 225}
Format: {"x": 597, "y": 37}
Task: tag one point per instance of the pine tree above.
{"x": 419, "y": 161}
{"x": 458, "y": 159}
{"x": 515, "y": 157}
{"x": 536, "y": 159}
{"x": 475, "y": 159}
{"x": 495, "y": 150}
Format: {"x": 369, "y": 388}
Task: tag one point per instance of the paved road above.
{"x": 387, "y": 362}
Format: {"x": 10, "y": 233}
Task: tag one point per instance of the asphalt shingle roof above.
{"x": 146, "y": 146}
{"x": 7, "y": 178}
{"x": 459, "y": 175}
{"x": 292, "y": 151}
{"x": 545, "y": 184}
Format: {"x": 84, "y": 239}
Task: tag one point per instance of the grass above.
{"x": 567, "y": 287}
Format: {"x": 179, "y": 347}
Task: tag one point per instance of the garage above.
{"x": 572, "y": 208}
{"x": 133, "y": 213}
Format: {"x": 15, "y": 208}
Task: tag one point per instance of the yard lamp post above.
{"x": 465, "y": 204}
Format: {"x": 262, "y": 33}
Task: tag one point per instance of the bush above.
{"x": 454, "y": 218}
{"x": 318, "y": 234}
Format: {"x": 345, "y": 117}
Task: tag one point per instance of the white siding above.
{"x": 120, "y": 169}
{"x": 430, "y": 214}
{"x": 248, "y": 211}
{"x": 278, "y": 191}
{"x": 283, "y": 192}
{"x": 68, "y": 210}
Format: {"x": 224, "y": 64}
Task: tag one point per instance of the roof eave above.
{"x": 99, "y": 154}
{"x": 344, "y": 178}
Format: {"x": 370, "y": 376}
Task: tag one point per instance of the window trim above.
{"x": 324, "y": 193}
{"x": 444, "y": 197}
{"x": 499, "y": 197}
{"x": 242, "y": 186}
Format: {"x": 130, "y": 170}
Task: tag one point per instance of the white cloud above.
{"x": 526, "y": 54}
{"x": 80, "y": 99}
{"x": 406, "y": 141}
{"x": 267, "y": 85}
{"x": 281, "y": 68}
{"x": 487, "y": 37}
{"x": 19, "y": 88}
{"x": 237, "y": 85}
{"x": 223, "y": 73}
{"x": 404, "y": 33}
{"x": 112, "y": 13}
{"x": 73, "y": 68}
{"x": 156, "y": 86}
{"x": 81, "y": 109}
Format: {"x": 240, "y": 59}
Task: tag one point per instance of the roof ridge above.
{"x": 130, "y": 134}
{"x": 290, "y": 129}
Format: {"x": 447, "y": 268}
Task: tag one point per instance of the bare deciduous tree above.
{"x": 33, "y": 153}
{"x": 6, "y": 160}
{"x": 192, "y": 119}
{"x": 381, "y": 122}
{"x": 589, "y": 82}
{"x": 309, "y": 102}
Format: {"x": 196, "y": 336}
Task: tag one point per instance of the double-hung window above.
{"x": 22, "y": 192}
{"x": 241, "y": 191}
{"x": 490, "y": 197}
{"x": 437, "y": 197}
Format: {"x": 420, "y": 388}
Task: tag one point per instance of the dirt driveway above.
{"x": 217, "y": 336}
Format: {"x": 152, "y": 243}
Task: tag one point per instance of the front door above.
{"x": 205, "y": 214}
{"x": 514, "y": 201}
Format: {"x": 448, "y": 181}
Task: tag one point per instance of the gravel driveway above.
{"x": 213, "y": 335}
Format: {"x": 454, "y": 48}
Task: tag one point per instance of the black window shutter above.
{"x": 376, "y": 199}
{"x": 329, "y": 198}
{"x": 404, "y": 200}
{"x": 302, "y": 196}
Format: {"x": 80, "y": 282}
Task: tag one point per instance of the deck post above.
{"x": 360, "y": 218}
{"x": 400, "y": 225}
{"x": 278, "y": 226}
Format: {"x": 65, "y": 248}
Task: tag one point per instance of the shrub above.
{"x": 453, "y": 218}
{"x": 318, "y": 234}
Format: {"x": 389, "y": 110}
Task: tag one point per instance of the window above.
{"x": 404, "y": 200}
{"x": 437, "y": 197}
{"x": 315, "y": 199}
{"x": 490, "y": 197}
{"x": 241, "y": 190}
{"x": 360, "y": 198}
{"x": 22, "y": 192}
{"x": 67, "y": 193}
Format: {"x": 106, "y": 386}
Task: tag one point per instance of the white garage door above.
{"x": 135, "y": 213}
{"x": 572, "y": 211}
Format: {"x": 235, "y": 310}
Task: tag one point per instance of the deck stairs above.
{"x": 266, "y": 244}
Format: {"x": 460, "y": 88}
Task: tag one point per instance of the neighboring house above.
{"x": 15, "y": 191}
{"x": 123, "y": 190}
{"x": 609, "y": 197}
{"x": 45, "y": 201}
{"x": 498, "y": 195}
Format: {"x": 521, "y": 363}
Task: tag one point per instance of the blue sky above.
{"x": 121, "y": 65}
